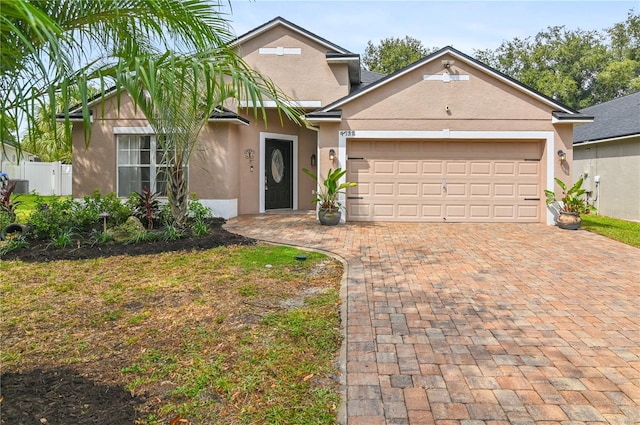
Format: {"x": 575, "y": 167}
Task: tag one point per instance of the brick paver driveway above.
{"x": 481, "y": 323}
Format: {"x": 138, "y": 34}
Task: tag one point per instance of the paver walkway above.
{"x": 480, "y": 323}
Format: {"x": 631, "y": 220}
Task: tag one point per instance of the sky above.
{"x": 465, "y": 25}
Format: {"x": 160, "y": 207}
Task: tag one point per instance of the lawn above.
{"x": 27, "y": 204}
{"x": 245, "y": 335}
{"x": 621, "y": 230}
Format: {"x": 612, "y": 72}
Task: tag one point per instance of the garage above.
{"x": 445, "y": 180}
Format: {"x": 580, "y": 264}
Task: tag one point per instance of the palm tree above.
{"x": 48, "y": 46}
{"x": 179, "y": 96}
{"x": 144, "y": 46}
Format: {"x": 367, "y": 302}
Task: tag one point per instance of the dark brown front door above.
{"x": 278, "y": 169}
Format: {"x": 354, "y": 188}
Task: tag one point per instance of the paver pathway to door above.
{"x": 480, "y": 323}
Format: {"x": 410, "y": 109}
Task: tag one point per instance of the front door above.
{"x": 278, "y": 191}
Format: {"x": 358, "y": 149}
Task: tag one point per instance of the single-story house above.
{"x": 446, "y": 139}
{"x": 606, "y": 153}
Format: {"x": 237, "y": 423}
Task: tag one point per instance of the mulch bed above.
{"x": 60, "y": 395}
{"x": 41, "y": 251}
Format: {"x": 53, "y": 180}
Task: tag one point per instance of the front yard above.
{"x": 220, "y": 336}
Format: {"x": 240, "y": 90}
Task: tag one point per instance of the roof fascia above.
{"x": 293, "y": 27}
{"x": 610, "y": 139}
{"x": 460, "y": 56}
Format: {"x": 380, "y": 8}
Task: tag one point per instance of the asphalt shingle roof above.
{"x": 615, "y": 118}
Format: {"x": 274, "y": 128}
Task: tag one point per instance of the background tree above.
{"x": 48, "y": 140}
{"x": 576, "y": 67}
{"x": 393, "y": 54}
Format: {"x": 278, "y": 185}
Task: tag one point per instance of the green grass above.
{"x": 213, "y": 336}
{"x": 28, "y": 204}
{"x": 621, "y": 230}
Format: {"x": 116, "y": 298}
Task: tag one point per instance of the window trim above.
{"x": 153, "y": 152}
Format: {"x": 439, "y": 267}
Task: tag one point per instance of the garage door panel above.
{"x": 504, "y": 211}
{"x": 433, "y": 168}
{"x": 450, "y": 181}
{"x": 456, "y": 189}
{"x": 504, "y": 189}
{"x": 528, "y": 168}
{"x": 529, "y": 211}
{"x": 384, "y": 167}
{"x": 480, "y": 168}
{"x": 456, "y": 168}
{"x": 410, "y": 168}
{"x": 362, "y": 189}
{"x": 408, "y": 189}
{"x": 528, "y": 190}
{"x": 455, "y": 211}
{"x": 383, "y": 189}
{"x": 408, "y": 211}
{"x": 383, "y": 210}
{"x": 480, "y": 189}
{"x": 480, "y": 211}
{"x": 505, "y": 169}
{"x": 432, "y": 212}
{"x": 432, "y": 189}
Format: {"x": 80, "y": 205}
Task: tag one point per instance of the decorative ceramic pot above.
{"x": 329, "y": 217}
{"x": 569, "y": 220}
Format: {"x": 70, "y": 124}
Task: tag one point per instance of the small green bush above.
{"x": 51, "y": 217}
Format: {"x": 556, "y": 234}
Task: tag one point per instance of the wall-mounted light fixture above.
{"x": 313, "y": 159}
{"x": 562, "y": 155}
{"x": 447, "y": 63}
{"x": 332, "y": 155}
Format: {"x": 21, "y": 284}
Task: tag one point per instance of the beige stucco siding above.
{"x": 617, "y": 163}
{"x": 306, "y": 76}
{"x": 218, "y": 169}
{"x": 470, "y": 103}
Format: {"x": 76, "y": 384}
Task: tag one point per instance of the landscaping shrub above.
{"x": 118, "y": 211}
{"x": 52, "y": 217}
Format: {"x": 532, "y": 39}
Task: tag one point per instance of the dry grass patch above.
{"x": 228, "y": 335}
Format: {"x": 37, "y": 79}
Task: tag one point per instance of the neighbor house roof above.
{"x": 563, "y": 113}
{"x": 614, "y": 119}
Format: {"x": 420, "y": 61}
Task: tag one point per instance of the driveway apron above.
{"x": 480, "y": 323}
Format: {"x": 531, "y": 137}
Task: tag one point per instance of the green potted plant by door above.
{"x": 570, "y": 205}
{"x": 330, "y": 208}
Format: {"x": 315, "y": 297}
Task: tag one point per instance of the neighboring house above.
{"x": 10, "y": 155}
{"x": 444, "y": 139}
{"x": 607, "y": 154}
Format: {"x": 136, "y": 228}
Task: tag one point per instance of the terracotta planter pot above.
{"x": 569, "y": 220}
{"x": 329, "y": 217}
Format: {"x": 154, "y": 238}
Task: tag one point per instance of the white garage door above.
{"x": 452, "y": 181}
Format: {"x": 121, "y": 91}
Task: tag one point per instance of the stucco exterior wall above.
{"x": 617, "y": 163}
{"x": 306, "y": 76}
{"x": 95, "y": 167}
{"x": 218, "y": 169}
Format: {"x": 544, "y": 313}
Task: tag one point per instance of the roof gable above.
{"x": 293, "y": 27}
{"x": 613, "y": 119}
{"x": 450, "y": 51}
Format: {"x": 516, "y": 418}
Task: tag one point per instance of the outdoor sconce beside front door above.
{"x": 332, "y": 155}
{"x": 313, "y": 159}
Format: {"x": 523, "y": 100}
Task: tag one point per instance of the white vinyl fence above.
{"x": 44, "y": 178}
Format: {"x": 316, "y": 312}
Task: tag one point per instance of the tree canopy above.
{"x": 576, "y": 67}
{"x": 392, "y": 54}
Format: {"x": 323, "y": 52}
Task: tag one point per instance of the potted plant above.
{"x": 329, "y": 212}
{"x": 571, "y": 205}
